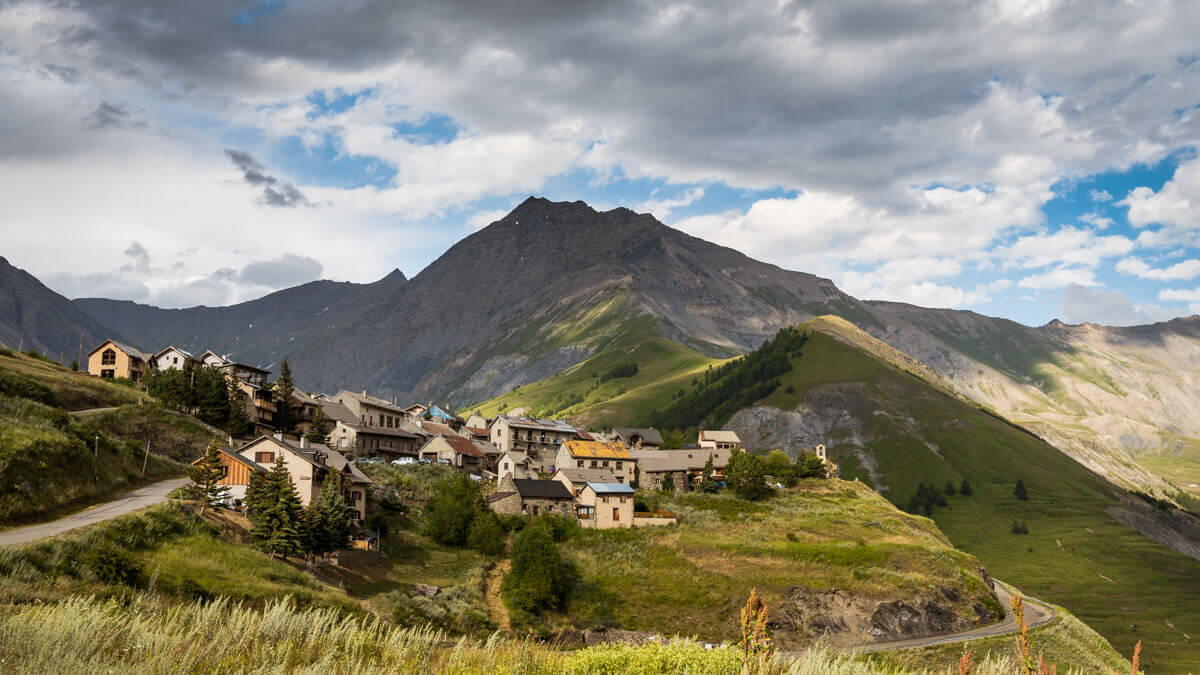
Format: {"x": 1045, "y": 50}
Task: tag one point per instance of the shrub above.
{"x": 538, "y": 579}
{"x": 1020, "y": 527}
{"x": 452, "y": 509}
{"x": 486, "y": 536}
{"x": 949, "y": 490}
{"x": 965, "y": 488}
{"x": 108, "y": 564}
{"x": 558, "y": 527}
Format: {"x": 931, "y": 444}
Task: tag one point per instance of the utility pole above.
{"x": 80, "y": 361}
{"x": 96, "y": 460}
{"x": 146, "y": 458}
{"x": 21, "y": 344}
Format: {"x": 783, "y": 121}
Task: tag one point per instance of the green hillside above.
{"x": 892, "y": 429}
{"x": 52, "y": 462}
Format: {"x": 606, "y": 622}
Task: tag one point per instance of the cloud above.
{"x": 275, "y": 191}
{"x": 482, "y": 219}
{"x": 1179, "y": 295}
{"x": 108, "y": 115}
{"x": 287, "y": 270}
{"x": 1188, "y": 269}
{"x": 1174, "y": 207}
{"x": 1080, "y": 304}
{"x": 1060, "y": 278}
{"x": 1068, "y": 246}
{"x": 1100, "y": 195}
{"x": 661, "y": 208}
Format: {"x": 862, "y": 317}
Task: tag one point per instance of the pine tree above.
{"x": 328, "y": 519}
{"x": 319, "y": 430}
{"x": 211, "y": 395}
{"x": 282, "y": 390}
{"x": 949, "y": 488}
{"x": 205, "y": 474}
{"x": 965, "y": 488}
{"x": 707, "y": 484}
{"x": 239, "y": 424}
{"x": 1019, "y": 491}
{"x": 74, "y": 364}
{"x": 256, "y": 495}
{"x": 278, "y": 527}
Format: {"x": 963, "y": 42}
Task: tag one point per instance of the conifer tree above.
{"x": 965, "y": 488}
{"x": 205, "y": 474}
{"x": 256, "y": 494}
{"x": 328, "y": 519}
{"x": 282, "y": 390}
{"x": 239, "y": 424}
{"x": 277, "y": 525}
{"x": 1020, "y": 492}
{"x": 949, "y": 488}
{"x": 319, "y": 429}
{"x": 707, "y": 484}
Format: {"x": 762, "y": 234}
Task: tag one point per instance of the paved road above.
{"x": 126, "y": 503}
{"x": 91, "y": 411}
{"x": 1035, "y": 613}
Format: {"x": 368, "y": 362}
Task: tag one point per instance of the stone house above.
{"x": 539, "y": 439}
{"x": 532, "y": 497}
{"x": 720, "y": 440}
{"x": 645, "y": 438}
{"x": 350, "y": 436}
{"x": 514, "y": 465}
{"x": 598, "y": 455}
{"x": 310, "y": 465}
{"x": 173, "y": 358}
{"x": 371, "y": 411}
{"x": 479, "y": 422}
{"x": 575, "y": 479}
{"x": 114, "y": 359}
{"x": 605, "y": 506}
{"x": 680, "y": 468}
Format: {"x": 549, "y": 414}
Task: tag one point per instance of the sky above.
{"x": 1029, "y": 159}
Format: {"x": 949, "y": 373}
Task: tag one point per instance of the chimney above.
{"x": 364, "y": 392}
{"x": 278, "y": 436}
{"x": 303, "y": 442}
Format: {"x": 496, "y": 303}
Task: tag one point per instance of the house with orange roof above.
{"x": 615, "y": 457}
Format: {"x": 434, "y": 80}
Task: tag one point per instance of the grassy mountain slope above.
{"x": 52, "y": 462}
{"x": 892, "y": 429}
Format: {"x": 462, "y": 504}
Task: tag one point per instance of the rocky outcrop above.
{"x": 844, "y": 619}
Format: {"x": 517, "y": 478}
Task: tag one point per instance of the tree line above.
{"x": 735, "y": 385}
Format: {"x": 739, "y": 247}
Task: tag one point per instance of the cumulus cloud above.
{"x": 1059, "y": 278}
{"x": 1080, "y": 304}
{"x": 287, "y": 270}
{"x": 1067, "y": 246}
{"x": 662, "y": 207}
{"x": 1188, "y": 269}
{"x": 1100, "y": 195}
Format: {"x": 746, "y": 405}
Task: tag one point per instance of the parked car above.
{"x": 425, "y": 460}
{"x": 404, "y": 460}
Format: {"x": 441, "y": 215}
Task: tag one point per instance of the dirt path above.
{"x": 126, "y": 503}
{"x": 495, "y": 604}
{"x": 1036, "y": 614}
{"x": 90, "y": 411}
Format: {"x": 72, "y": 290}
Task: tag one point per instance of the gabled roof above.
{"x": 687, "y": 459}
{"x": 337, "y": 412}
{"x": 518, "y": 458}
{"x": 497, "y": 496}
{"x": 596, "y": 449}
{"x": 319, "y": 455}
{"x": 168, "y": 348}
{"x": 460, "y": 445}
{"x": 537, "y": 423}
{"x": 128, "y": 349}
{"x": 370, "y": 400}
{"x": 579, "y": 476}
{"x": 650, "y": 436}
{"x": 436, "y": 428}
{"x": 232, "y": 454}
{"x": 238, "y": 365}
{"x": 720, "y": 436}
{"x": 476, "y": 431}
{"x": 610, "y": 488}
{"x": 543, "y": 489}
{"x": 438, "y": 411}
{"x": 583, "y": 435}
{"x": 220, "y": 358}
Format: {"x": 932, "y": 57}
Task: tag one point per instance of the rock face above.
{"x": 843, "y": 619}
{"x": 35, "y": 317}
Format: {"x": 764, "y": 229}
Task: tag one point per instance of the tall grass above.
{"x": 84, "y": 635}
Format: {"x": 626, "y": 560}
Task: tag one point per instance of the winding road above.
{"x": 1036, "y": 612}
{"x": 140, "y": 498}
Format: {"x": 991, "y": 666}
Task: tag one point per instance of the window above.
{"x": 108, "y": 373}
{"x": 616, "y": 513}
{"x": 579, "y": 464}
{"x": 108, "y": 358}
{"x": 605, "y": 464}
{"x": 264, "y": 457}
{"x": 593, "y": 463}
{"x": 355, "y": 496}
{"x": 620, "y": 479}
{"x": 618, "y": 465}
{"x": 622, "y": 500}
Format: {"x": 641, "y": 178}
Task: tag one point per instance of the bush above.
{"x": 965, "y": 488}
{"x": 747, "y": 476}
{"x": 454, "y": 505}
{"x": 486, "y": 536}
{"x": 108, "y": 564}
{"x": 538, "y": 579}
{"x": 1020, "y": 527}
{"x": 558, "y": 527}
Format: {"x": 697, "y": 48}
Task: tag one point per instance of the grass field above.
{"x": 73, "y": 390}
{"x": 694, "y": 578}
